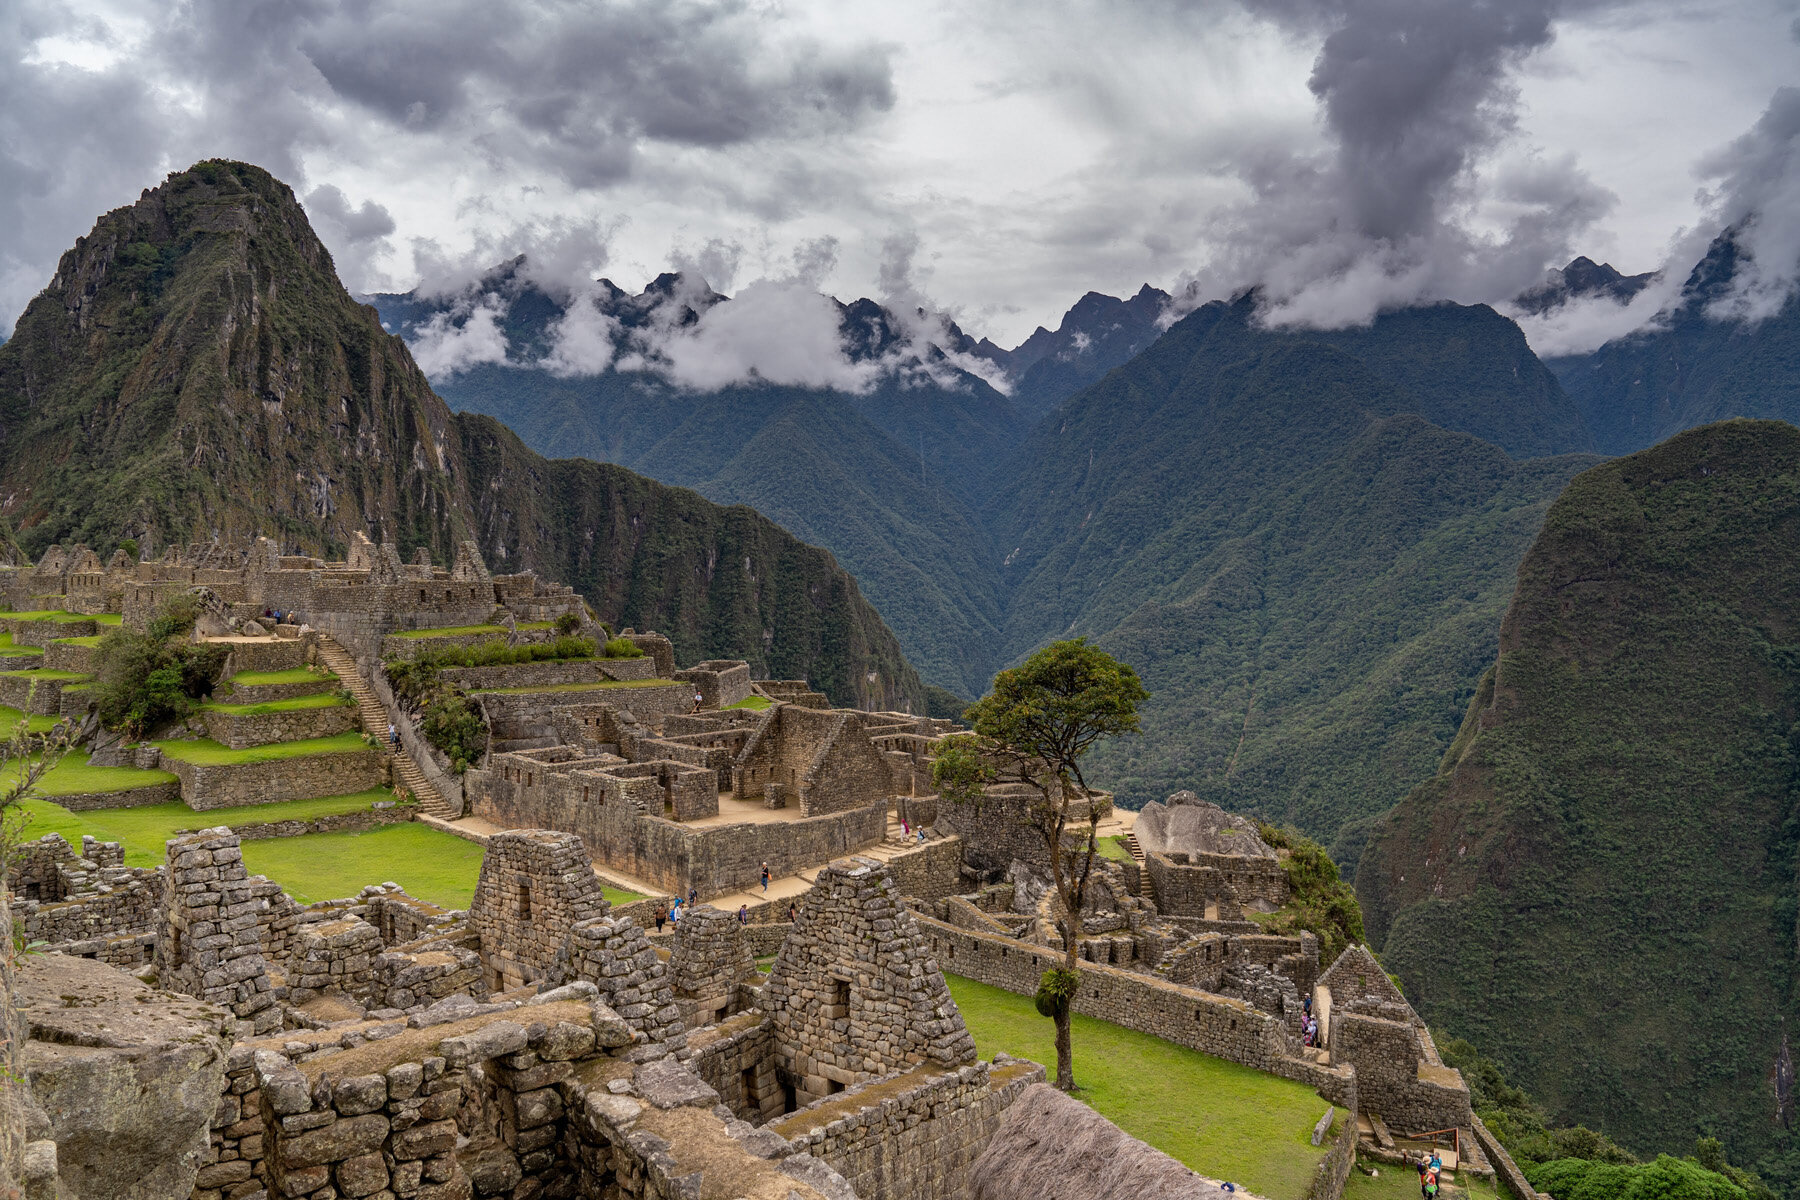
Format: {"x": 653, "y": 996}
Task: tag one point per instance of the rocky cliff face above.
{"x": 196, "y": 370}
{"x": 1598, "y": 887}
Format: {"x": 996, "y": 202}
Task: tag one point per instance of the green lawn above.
{"x": 91, "y": 641}
{"x": 602, "y": 685}
{"x": 207, "y": 752}
{"x": 145, "y": 831}
{"x": 754, "y": 702}
{"x": 432, "y": 865}
{"x": 620, "y": 895}
{"x": 1223, "y": 1120}
{"x": 8, "y": 646}
{"x": 298, "y": 703}
{"x": 291, "y": 675}
{"x": 466, "y": 630}
{"x": 1114, "y": 848}
{"x": 73, "y": 775}
{"x": 56, "y": 614}
{"x": 39, "y": 723}
{"x": 1402, "y": 1183}
{"x": 45, "y": 673}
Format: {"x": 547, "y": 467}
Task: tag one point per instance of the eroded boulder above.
{"x": 128, "y": 1076}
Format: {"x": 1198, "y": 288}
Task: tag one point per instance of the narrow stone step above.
{"x": 375, "y": 721}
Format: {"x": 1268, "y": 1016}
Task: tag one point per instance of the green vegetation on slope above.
{"x": 1306, "y": 574}
{"x": 74, "y": 776}
{"x": 1223, "y": 1120}
{"x": 291, "y": 675}
{"x": 1598, "y": 887}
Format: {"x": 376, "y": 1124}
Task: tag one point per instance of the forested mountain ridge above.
{"x": 195, "y": 370}
{"x": 1598, "y": 885}
{"x": 1305, "y": 571}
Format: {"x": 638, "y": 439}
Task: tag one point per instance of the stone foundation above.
{"x": 230, "y": 785}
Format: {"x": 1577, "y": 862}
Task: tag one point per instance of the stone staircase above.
{"x": 375, "y": 720}
{"x": 1137, "y": 851}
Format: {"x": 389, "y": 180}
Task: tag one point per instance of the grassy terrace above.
{"x": 91, "y": 641}
{"x": 10, "y": 717}
{"x": 8, "y": 646}
{"x": 43, "y": 673}
{"x": 465, "y": 630}
{"x": 74, "y": 776}
{"x": 53, "y": 614}
{"x": 144, "y": 831}
{"x": 757, "y": 703}
{"x": 291, "y": 675}
{"x": 598, "y": 686}
{"x": 1221, "y": 1119}
{"x": 206, "y": 752}
{"x": 298, "y": 703}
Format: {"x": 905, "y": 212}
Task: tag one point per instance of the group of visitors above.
{"x": 1309, "y": 1030}
{"x": 1429, "y": 1170}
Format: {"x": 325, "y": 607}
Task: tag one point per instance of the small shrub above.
{"x": 568, "y": 624}
{"x": 622, "y": 648}
{"x": 142, "y": 680}
{"x": 453, "y": 724}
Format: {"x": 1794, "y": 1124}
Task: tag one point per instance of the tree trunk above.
{"x": 1065, "y": 1053}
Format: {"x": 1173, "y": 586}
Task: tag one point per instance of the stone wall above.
{"x": 853, "y": 993}
{"x": 613, "y": 954}
{"x": 1392, "y": 1077}
{"x": 528, "y": 718}
{"x": 1186, "y": 884}
{"x": 620, "y": 818}
{"x": 209, "y": 945}
{"x": 550, "y": 673}
{"x": 271, "y": 654}
{"x": 139, "y": 797}
{"x": 1217, "y": 1025}
{"x": 736, "y": 1057}
{"x": 996, "y": 831}
{"x": 350, "y": 822}
{"x": 535, "y": 887}
{"x": 30, "y": 692}
{"x": 932, "y": 871}
{"x": 708, "y": 957}
{"x": 721, "y": 683}
{"x": 265, "y": 693}
{"x": 338, "y": 773}
{"x": 911, "y": 1136}
{"x": 240, "y": 731}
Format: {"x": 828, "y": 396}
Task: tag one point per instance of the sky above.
{"x": 992, "y": 161}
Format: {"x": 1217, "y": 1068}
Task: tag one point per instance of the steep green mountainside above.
{"x": 1305, "y": 572}
{"x": 886, "y": 479}
{"x": 1598, "y": 885}
{"x": 1099, "y": 333}
{"x": 195, "y": 370}
{"x": 1689, "y": 369}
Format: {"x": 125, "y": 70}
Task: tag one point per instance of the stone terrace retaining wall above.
{"x": 1218, "y": 1025}
{"x": 532, "y": 674}
{"x": 155, "y": 793}
{"x": 208, "y": 786}
{"x": 932, "y": 871}
{"x": 265, "y": 693}
{"x": 41, "y": 697}
{"x": 1410, "y": 1094}
{"x": 276, "y": 654}
{"x": 349, "y": 822}
{"x": 1333, "y": 1171}
{"x": 240, "y": 732}
{"x": 911, "y": 1136}
{"x": 1505, "y": 1169}
{"x": 42, "y": 633}
{"x": 68, "y": 656}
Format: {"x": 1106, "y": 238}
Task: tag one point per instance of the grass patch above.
{"x": 599, "y": 686}
{"x": 8, "y": 646}
{"x": 297, "y": 704}
{"x": 39, "y": 722}
{"x": 291, "y": 675}
{"x": 620, "y": 895}
{"x": 145, "y": 831}
{"x": 92, "y": 641}
{"x": 206, "y": 752}
{"x": 74, "y": 776}
{"x": 1114, "y": 847}
{"x": 466, "y": 630}
{"x": 428, "y": 863}
{"x": 1402, "y": 1183}
{"x": 1223, "y": 1120}
{"x": 56, "y": 614}
{"x": 45, "y": 673}
{"x": 758, "y": 703}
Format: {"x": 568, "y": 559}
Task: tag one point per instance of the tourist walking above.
{"x": 393, "y": 736}
{"x": 743, "y": 914}
{"x": 697, "y": 700}
{"x": 765, "y": 878}
{"x": 661, "y": 917}
{"x": 693, "y": 896}
{"x": 793, "y": 914}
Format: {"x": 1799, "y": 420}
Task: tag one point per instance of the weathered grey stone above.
{"x": 101, "y": 1042}
{"x": 336, "y": 1141}
{"x": 667, "y": 1084}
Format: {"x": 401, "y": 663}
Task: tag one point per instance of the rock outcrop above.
{"x": 127, "y": 1078}
{"x": 1185, "y": 824}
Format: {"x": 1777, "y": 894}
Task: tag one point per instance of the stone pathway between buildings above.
{"x": 375, "y": 722}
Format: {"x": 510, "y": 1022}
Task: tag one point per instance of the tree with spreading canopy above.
{"x": 1036, "y": 726}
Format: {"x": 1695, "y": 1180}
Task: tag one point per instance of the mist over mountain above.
{"x": 195, "y": 370}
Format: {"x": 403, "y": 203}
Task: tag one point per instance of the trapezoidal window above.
{"x": 524, "y": 899}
